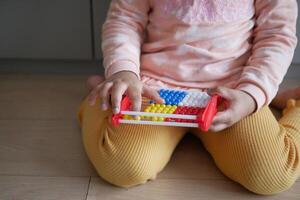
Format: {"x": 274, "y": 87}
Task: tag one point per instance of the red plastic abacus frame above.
{"x": 203, "y": 117}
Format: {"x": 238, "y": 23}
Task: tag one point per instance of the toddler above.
{"x": 239, "y": 49}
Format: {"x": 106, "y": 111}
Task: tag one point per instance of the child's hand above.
{"x": 240, "y": 105}
{"x": 112, "y": 89}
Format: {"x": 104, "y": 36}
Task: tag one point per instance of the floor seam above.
{"x": 88, "y": 188}
{"x": 44, "y": 176}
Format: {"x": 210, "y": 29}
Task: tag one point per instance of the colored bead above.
{"x": 151, "y": 101}
{"x": 138, "y": 118}
{"x": 154, "y": 118}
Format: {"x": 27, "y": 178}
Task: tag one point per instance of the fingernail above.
{"x": 116, "y": 109}
{"x": 104, "y": 106}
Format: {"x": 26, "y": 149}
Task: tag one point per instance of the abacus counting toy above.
{"x": 182, "y": 108}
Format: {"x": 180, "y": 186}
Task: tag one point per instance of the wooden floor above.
{"x": 42, "y": 157}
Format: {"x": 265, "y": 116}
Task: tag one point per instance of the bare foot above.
{"x": 93, "y": 81}
{"x": 282, "y": 97}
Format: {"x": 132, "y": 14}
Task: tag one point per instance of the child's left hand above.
{"x": 240, "y": 105}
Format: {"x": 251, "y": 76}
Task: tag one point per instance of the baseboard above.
{"x": 77, "y": 67}
{"x": 50, "y": 67}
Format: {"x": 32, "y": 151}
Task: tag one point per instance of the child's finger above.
{"x": 136, "y": 99}
{"x": 223, "y": 92}
{"x": 118, "y": 89}
{"x": 152, "y": 94}
{"x": 104, "y": 95}
{"x": 218, "y": 127}
{"x": 224, "y": 117}
{"x": 93, "y": 96}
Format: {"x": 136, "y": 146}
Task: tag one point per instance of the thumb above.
{"x": 223, "y": 92}
{"x": 152, "y": 94}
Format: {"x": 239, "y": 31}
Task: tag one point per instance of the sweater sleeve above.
{"x": 274, "y": 42}
{"x": 123, "y": 34}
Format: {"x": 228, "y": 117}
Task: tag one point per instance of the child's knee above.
{"x": 268, "y": 185}
{"x": 127, "y": 172}
{"x": 267, "y": 175}
{"x": 125, "y": 164}
{"x": 125, "y": 180}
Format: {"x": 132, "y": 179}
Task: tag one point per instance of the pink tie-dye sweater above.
{"x": 242, "y": 44}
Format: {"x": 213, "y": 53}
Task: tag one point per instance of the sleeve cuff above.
{"x": 254, "y": 91}
{"x": 123, "y": 65}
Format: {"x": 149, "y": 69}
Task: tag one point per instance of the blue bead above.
{"x": 151, "y": 101}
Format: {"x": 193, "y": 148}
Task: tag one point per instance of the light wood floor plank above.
{"x": 49, "y": 148}
{"x": 175, "y": 189}
{"x": 43, "y": 188}
{"x": 40, "y": 96}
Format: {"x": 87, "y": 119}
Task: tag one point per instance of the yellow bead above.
{"x": 161, "y": 119}
{"x": 128, "y": 117}
{"x": 163, "y": 105}
{"x": 138, "y": 118}
{"x": 154, "y": 118}
{"x": 152, "y": 105}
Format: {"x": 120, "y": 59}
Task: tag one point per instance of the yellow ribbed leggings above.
{"x": 258, "y": 152}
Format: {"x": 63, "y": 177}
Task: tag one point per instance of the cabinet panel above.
{"x": 100, "y": 12}
{"x": 297, "y": 52}
{"x": 43, "y": 29}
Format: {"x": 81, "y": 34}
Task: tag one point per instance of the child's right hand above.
{"x": 112, "y": 89}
